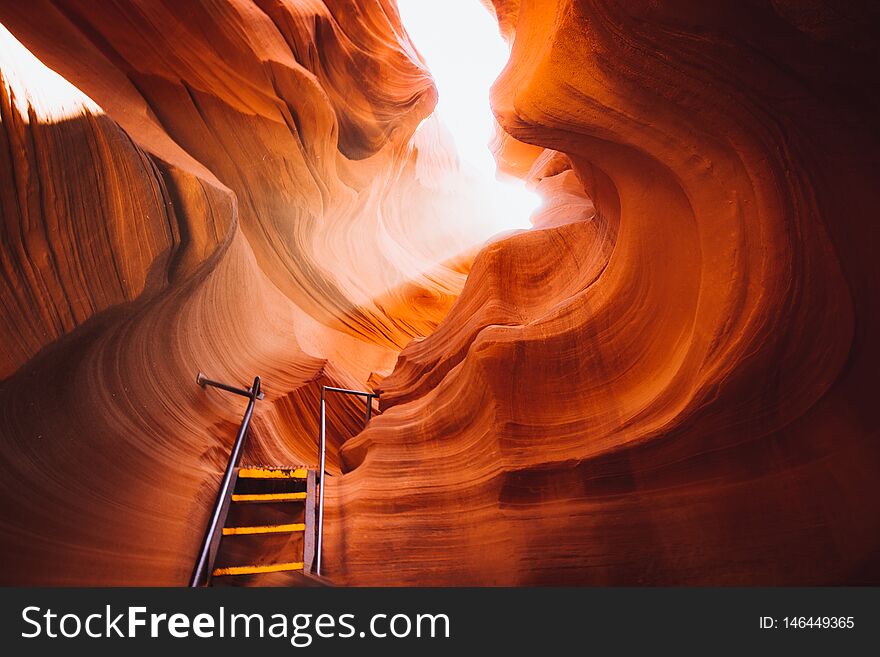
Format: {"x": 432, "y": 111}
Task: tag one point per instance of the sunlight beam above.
{"x": 460, "y": 42}
{"x": 31, "y": 84}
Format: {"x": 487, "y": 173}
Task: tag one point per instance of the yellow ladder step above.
{"x": 272, "y": 473}
{"x": 268, "y": 497}
{"x": 254, "y": 570}
{"x": 265, "y": 529}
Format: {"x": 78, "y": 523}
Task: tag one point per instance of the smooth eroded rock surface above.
{"x": 669, "y": 380}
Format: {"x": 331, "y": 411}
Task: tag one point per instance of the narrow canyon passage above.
{"x": 399, "y": 278}
{"x": 665, "y": 379}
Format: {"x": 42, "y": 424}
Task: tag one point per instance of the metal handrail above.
{"x": 323, "y": 448}
{"x": 211, "y": 541}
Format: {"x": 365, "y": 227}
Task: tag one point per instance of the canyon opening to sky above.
{"x": 465, "y": 52}
{"x": 665, "y": 379}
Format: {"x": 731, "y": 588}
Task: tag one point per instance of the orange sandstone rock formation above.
{"x": 667, "y": 381}
{"x": 679, "y": 390}
{"x": 212, "y": 210}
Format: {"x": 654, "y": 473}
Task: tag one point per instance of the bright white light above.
{"x": 465, "y": 53}
{"x": 32, "y": 84}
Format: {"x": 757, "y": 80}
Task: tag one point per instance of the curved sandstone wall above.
{"x": 668, "y": 380}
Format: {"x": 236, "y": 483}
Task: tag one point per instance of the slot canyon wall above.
{"x": 668, "y": 381}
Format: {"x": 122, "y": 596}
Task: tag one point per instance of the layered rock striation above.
{"x": 667, "y": 381}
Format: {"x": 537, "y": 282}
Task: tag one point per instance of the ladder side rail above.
{"x": 310, "y": 534}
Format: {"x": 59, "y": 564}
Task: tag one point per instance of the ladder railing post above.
{"x": 322, "y": 447}
{"x": 321, "y": 474}
{"x": 211, "y": 541}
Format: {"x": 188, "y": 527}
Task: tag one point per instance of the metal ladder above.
{"x": 260, "y": 485}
